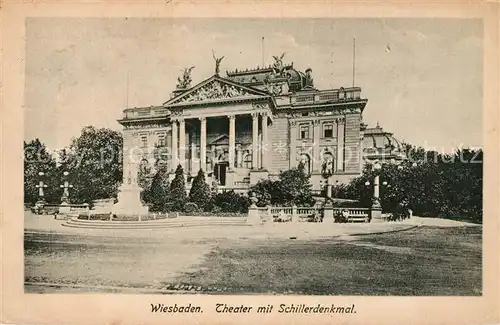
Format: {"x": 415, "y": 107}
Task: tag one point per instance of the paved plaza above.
{"x": 248, "y": 259}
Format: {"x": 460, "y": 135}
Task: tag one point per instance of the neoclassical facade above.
{"x": 249, "y": 125}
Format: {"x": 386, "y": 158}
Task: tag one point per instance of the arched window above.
{"x": 247, "y": 160}
{"x": 306, "y": 160}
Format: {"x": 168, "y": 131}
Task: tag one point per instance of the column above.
{"x": 193, "y": 156}
{"x": 264, "y": 148}
{"x": 232, "y": 141}
{"x": 174, "y": 154}
{"x": 238, "y": 156}
{"x": 203, "y": 143}
{"x": 340, "y": 144}
{"x": 376, "y": 187}
{"x": 255, "y": 139}
{"x": 316, "y": 163}
{"x": 182, "y": 143}
{"x": 293, "y": 144}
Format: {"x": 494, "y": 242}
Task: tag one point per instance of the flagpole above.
{"x": 262, "y": 51}
{"x": 353, "y": 60}
{"x": 126, "y": 98}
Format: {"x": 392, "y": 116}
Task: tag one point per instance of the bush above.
{"x": 190, "y": 207}
{"x": 338, "y": 216}
{"x": 200, "y": 191}
{"x": 292, "y": 188}
{"x": 230, "y": 201}
{"x": 178, "y": 195}
{"x": 216, "y": 209}
{"x": 156, "y": 194}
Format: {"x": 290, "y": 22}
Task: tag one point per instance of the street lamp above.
{"x": 41, "y": 185}
{"x": 376, "y": 209}
{"x": 66, "y": 186}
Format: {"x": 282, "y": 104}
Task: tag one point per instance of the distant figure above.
{"x": 345, "y": 215}
{"x": 55, "y": 216}
{"x": 282, "y": 216}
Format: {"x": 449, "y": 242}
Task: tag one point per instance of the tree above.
{"x": 157, "y": 194}
{"x": 445, "y": 185}
{"x": 95, "y": 164}
{"x": 177, "y": 194}
{"x": 292, "y": 188}
{"x": 37, "y": 159}
{"x": 200, "y": 191}
{"x": 230, "y": 201}
{"x": 295, "y": 187}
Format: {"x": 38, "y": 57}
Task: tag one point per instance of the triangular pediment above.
{"x": 215, "y": 89}
{"x": 222, "y": 139}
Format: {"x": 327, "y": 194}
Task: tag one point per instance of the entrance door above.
{"x": 220, "y": 172}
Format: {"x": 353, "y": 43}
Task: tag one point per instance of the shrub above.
{"x": 230, "y": 201}
{"x": 292, "y": 188}
{"x": 338, "y": 216}
{"x": 200, "y": 191}
{"x": 190, "y": 207}
{"x": 216, "y": 209}
{"x": 178, "y": 195}
{"x": 156, "y": 195}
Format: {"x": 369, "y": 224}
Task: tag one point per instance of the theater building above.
{"x": 249, "y": 125}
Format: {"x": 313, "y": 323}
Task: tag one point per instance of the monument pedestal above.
{"x": 328, "y": 213}
{"x": 64, "y": 208}
{"x": 253, "y": 215}
{"x": 129, "y": 201}
{"x": 376, "y": 216}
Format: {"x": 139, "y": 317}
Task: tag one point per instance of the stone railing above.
{"x": 145, "y": 112}
{"x": 355, "y": 214}
{"x": 327, "y": 96}
{"x": 295, "y": 214}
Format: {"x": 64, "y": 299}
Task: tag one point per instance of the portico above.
{"x": 240, "y": 150}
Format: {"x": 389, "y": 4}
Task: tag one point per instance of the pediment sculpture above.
{"x": 214, "y": 90}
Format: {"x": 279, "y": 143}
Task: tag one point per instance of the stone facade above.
{"x": 248, "y": 126}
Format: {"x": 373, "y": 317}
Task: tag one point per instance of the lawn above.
{"x": 424, "y": 261}
{"x": 421, "y": 261}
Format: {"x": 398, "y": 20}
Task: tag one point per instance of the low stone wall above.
{"x": 315, "y": 213}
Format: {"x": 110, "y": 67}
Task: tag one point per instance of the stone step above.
{"x": 78, "y": 223}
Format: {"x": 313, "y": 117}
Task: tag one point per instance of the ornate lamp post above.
{"x": 66, "y": 186}
{"x": 376, "y": 209}
{"x": 327, "y": 172}
{"x": 41, "y": 185}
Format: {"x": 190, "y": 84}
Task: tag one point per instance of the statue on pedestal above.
{"x": 217, "y": 63}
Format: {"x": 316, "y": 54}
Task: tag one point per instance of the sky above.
{"x": 423, "y": 78}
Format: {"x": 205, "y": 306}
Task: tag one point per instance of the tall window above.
{"x": 161, "y": 140}
{"x": 304, "y": 131}
{"x": 144, "y": 141}
{"x": 247, "y": 160}
{"x": 328, "y": 130}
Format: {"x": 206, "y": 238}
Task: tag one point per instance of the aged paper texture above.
{"x": 270, "y": 162}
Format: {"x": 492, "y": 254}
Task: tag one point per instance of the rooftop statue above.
{"x": 309, "y": 78}
{"x": 185, "y": 81}
{"x": 278, "y": 65}
{"x": 217, "y": 63}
